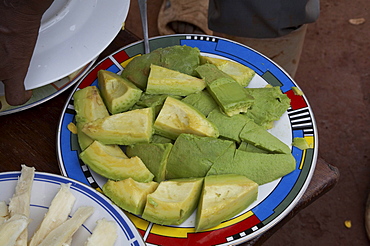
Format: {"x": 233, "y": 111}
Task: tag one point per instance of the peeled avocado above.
{"x": 177, "y": 117}
{"x": 107, "y": 161}
{"x": 163, "y": 80}
{"x": 135, "y": 126}
{"x": 129, "y": 194}
{"x": 223, "y": 197}
{"x": 173, "y": 201}
{"x": 119, "y": 94}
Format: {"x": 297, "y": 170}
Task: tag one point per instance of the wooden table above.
{"x": 29, "y": 137}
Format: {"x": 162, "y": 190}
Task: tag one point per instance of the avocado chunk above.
{"x": 240, "y": 73}
{"x": 107, "y": 161}
{"x": 228, "y": 126}
{"x": 173, "y": 201}
{"x": 89, "y": 106}
{"x": 210, "y": 73}
{"x": 129, "y": 194}
{"x": 193, "y": 156}
{"x": 163, "y": 80}
{"x": 135, "y": 126}
{"x": 202, "y": 101}
{"x": 179, "y": 58}
{"x": 260, "y": 167}
{"x": 154, "y": 156}
{"x": 261, "y": 138}
{"x": 269, "y": 105}
{"x": 177, "y": 117}
{"x": 223, "y": 197}
{"x": 119, "y": 94}
{"x": 301, "y": 143}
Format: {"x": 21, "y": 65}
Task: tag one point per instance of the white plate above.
{"x": 45, "y": 187}
{"x": 72, "y": 34}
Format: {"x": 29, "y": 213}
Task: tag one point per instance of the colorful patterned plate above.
{"x": 275, "y": 199}
{"x": 45, "y": 187}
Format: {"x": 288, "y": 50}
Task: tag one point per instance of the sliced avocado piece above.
{"x": 301, "y": 143}
{"x": 223, "y": 197}
{"x": 179, "y": 58}
{"x": 135, "y": 126}
{"x": 228, "y": 126}
{"x": 202, "y": 101}
{"x": 119, "y": 94}
{"x": 154, "y": 156}
{"x": 261, "y": 138}
{"x": 251, "y": 148}
{"x": 160, "y": 139}
{"x": 259, "y": 167}
{"x": 173, "y": 201}
{"x": 108, "y": 162}
{"x": 210, "y": 73}
{"x": 192, "y": 156}
{"x": 240, "y": 73}
{"x": 89, "y": 106}
{"x": 177, "y": 117}
{"x": 129, "y": 194}
{"x": 269, "y": 105}
{"x": 163, "y": 80}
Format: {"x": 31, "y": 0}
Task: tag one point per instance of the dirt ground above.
{"x": 334, "y": 75}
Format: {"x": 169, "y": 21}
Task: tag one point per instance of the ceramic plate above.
{"x": 71, "y": 35}
{"x": 44, "y": 188}
{"x": 44, "y": 93}
{"x": 275, "y": 199}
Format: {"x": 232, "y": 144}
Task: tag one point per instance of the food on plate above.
{"x": 119, "y": 94}
{"x": 173, "y": 201}
{"x": 104, "y": 234}
{"x": 258, "y": 136}
{"x": 192, "y": 156}
{"x": 193, "y": 121}
{"x": 57, "y": 226}
{"x": 163, "y": 80}
{"x": 297, "y": 91}
{"x": 154, "y": 155}
{"x": 240, "y": 73}
{"x": 130, "y": 127}
{"x": 111, "y": 162}
{"x": 65, "y": 231}
{"x": 260, "y": 167}
{"x": 228, "y": 93}
{"x": 11, "y": 229}
{"x": 89, "y": 106}
{"x": 58, "y": 212}
{"x": 179, "y": 58}
{"x": 129, "y": 194}
{"x": 20, "y": 202}
{"x": 301, "y": 143}
{"x": 223, "y": 197}
{"x": 268, "y": 106}
{"x": 202, "y": 101}
{"x": 177, "y": 117}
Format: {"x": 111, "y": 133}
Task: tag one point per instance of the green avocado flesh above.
{"x": 135, "y": 126}
{"x": 177, "y": 117}
{"x": 129, "y": 194}
{"x": 111, "y": 162}
{"x": 223, "y": 197}
{"x": 183, "y": 59}
{"x": 162, "y": 80}
{"x": 192, "y": 156}
{"x": 89, "y": 106}
{"x": 202, "y": 101}
{"x": 260, "y": 138}
{"x": 119, "y": 94}
{"x": 154, "y": 156}
{"x": 269, "y": 105}
{"x": 240, "y": 73}
{"x": 259, "y": 167}
{"x": 173, "y": 201}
